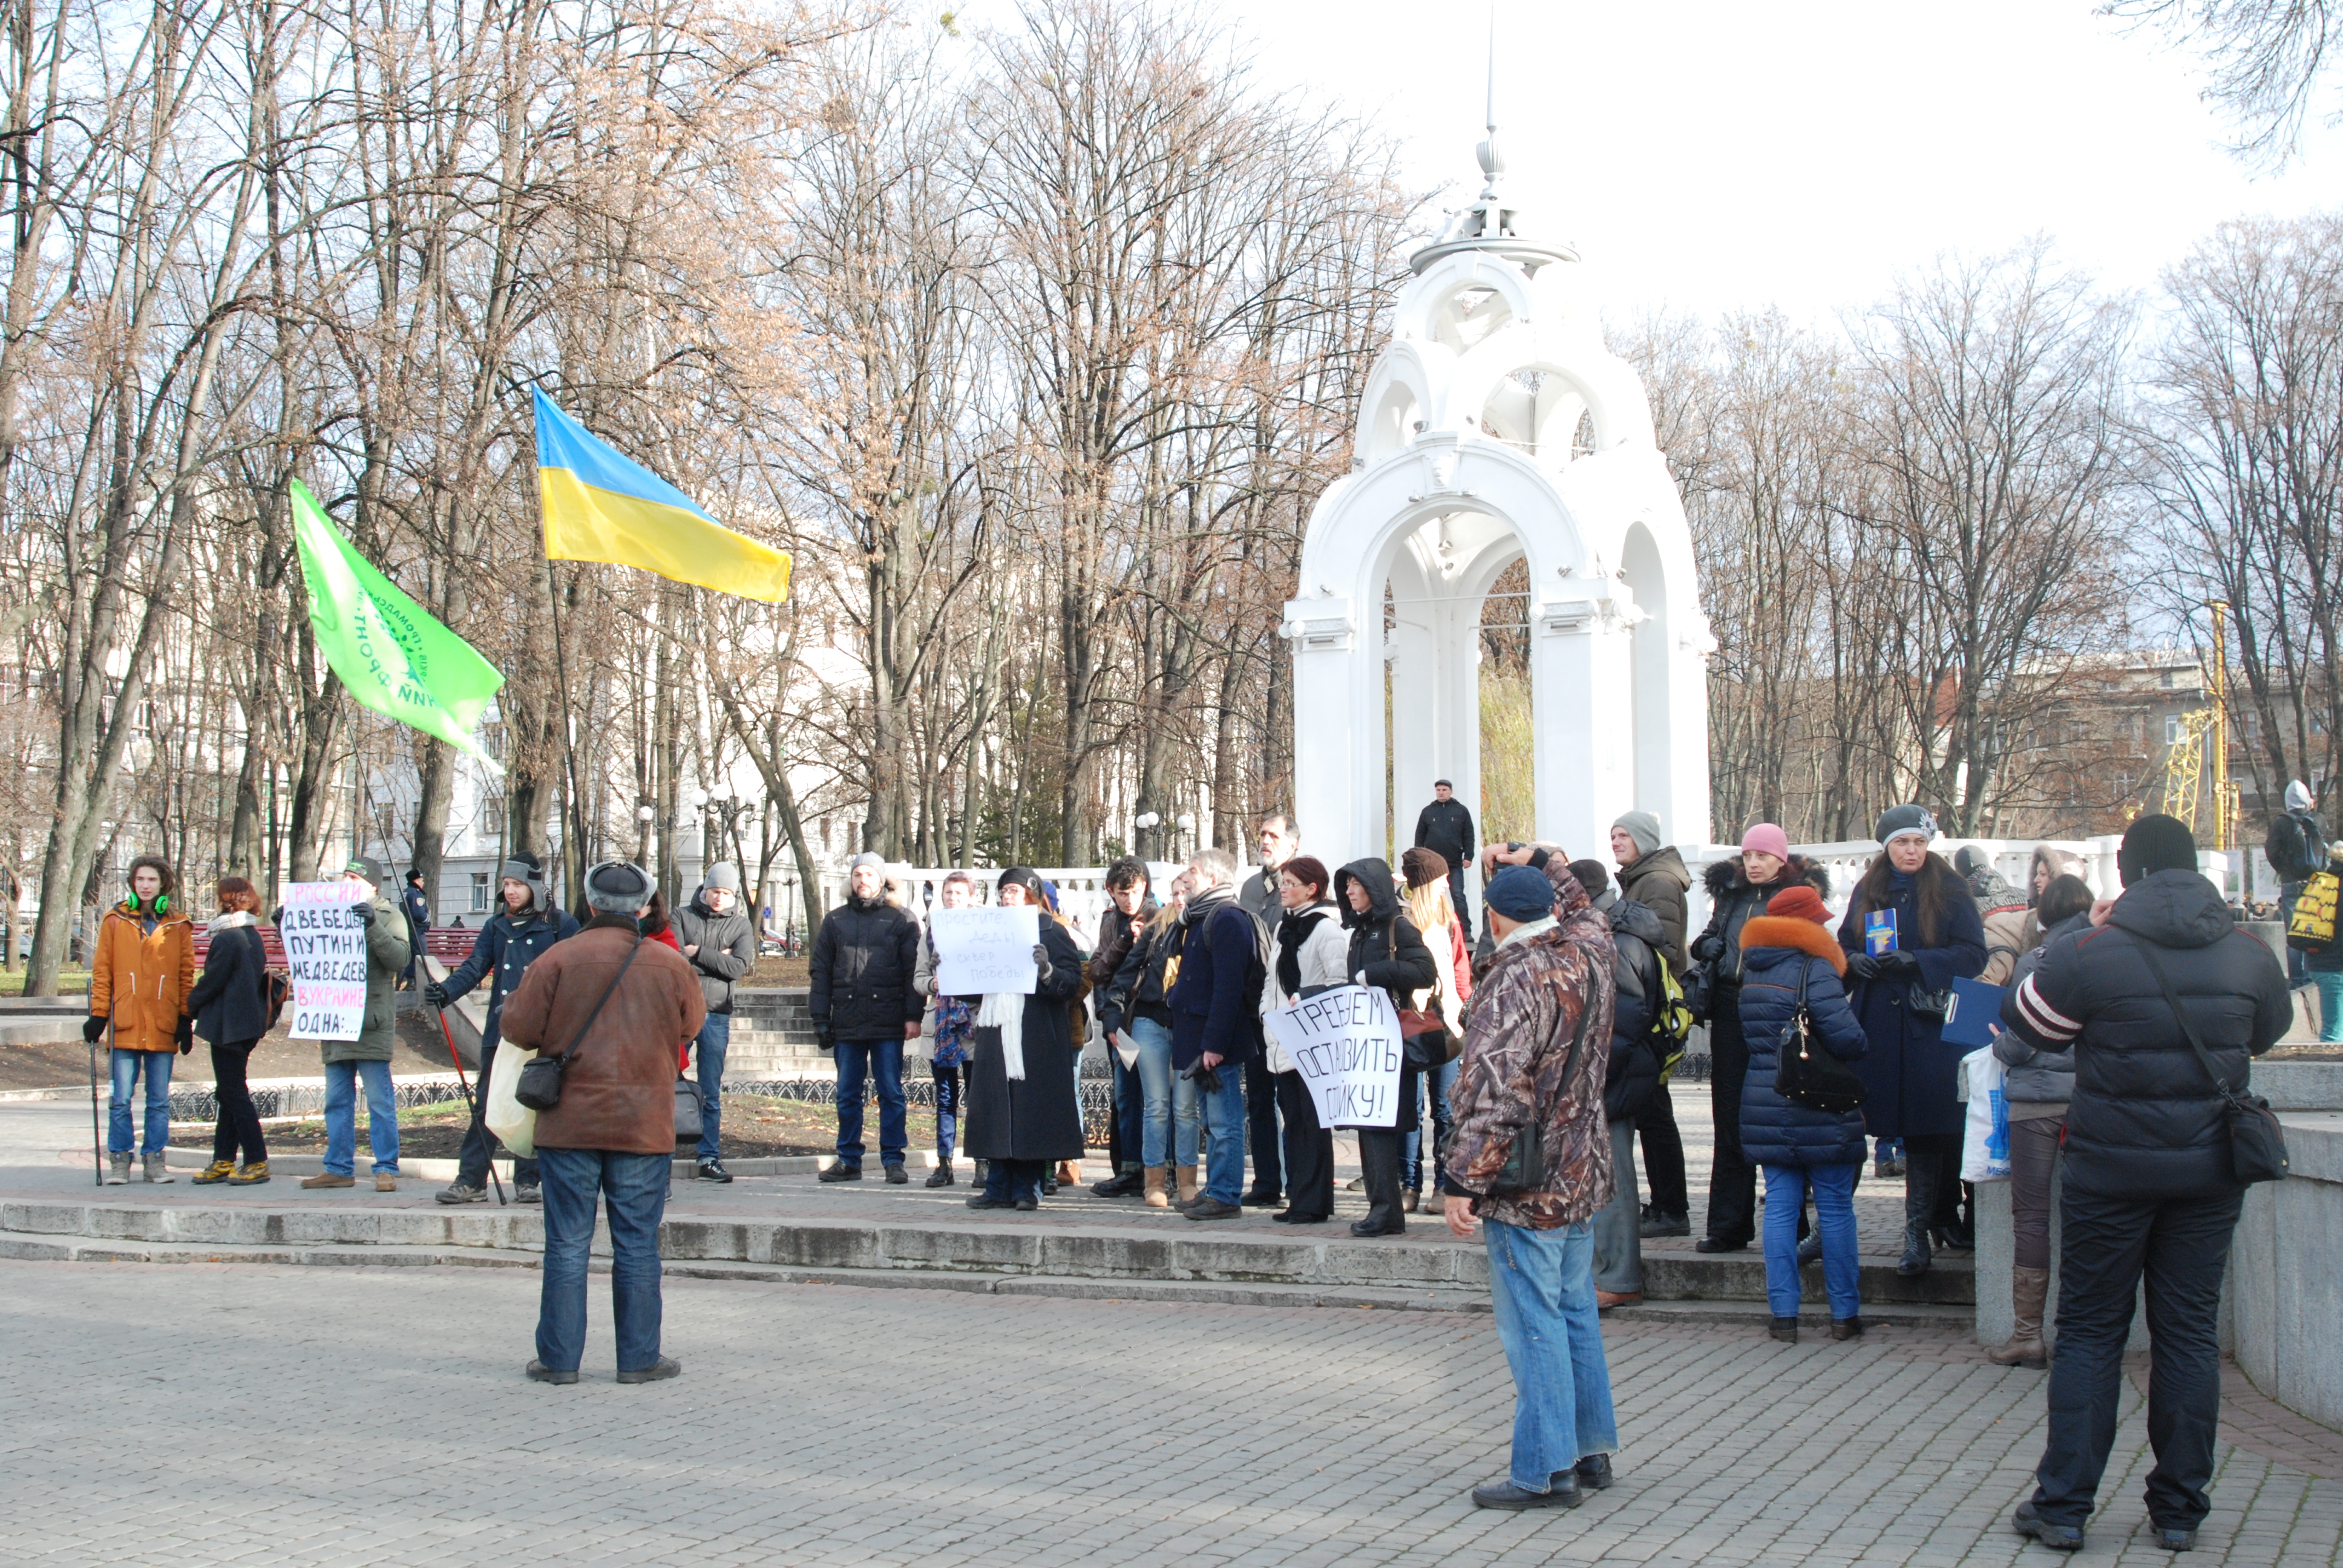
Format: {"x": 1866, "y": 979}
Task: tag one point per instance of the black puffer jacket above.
{"x": 865, "y": 959}
{"x": 1732, "y": 898}
{"x": 1638, "y": 935}
{"x": 1385, "y": 946}
{"x": 2146, "y": 1121}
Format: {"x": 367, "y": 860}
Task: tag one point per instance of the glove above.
{"x": 277, "y": 916}
{"x": 364, "y": 914}
{"x": 436, "y": 995}
{"x": 1042, "y": 969}
{"x": 187, "y": 1035}
{"x": 1862, "y": 965}
{"x": 1899, "y": 962}
{"x": 822, "y": 1040}
{"x": 1707, "y": 949}
{"x": 92, "y": 1028}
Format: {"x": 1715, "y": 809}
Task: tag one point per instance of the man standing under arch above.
{"x": 1445, "y": 827}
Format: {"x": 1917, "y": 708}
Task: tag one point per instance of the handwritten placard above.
{"x": 325, "y": 949}
{"x": 1346, "y": 1041}
{"x": 982, "y": 951}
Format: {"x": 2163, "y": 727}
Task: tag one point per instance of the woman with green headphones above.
{"x": 139, "y": 986}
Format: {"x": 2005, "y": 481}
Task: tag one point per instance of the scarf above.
{"x": 1291, "y": 932}
{"x": 1527, "y": 930}
{"x": 1005, "y": 1010}
{"x": 230, "y": 921}
{"x": 1203, "y": 905}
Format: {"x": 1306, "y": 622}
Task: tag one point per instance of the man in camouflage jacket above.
{"x": 1536, "y": 1049}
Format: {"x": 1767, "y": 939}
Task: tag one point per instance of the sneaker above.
{"x": 1210, "y": 1208}
{"x": 538, "y": 1371}
{"x": 117, "y": 1170}
{"x": 2057, "y": 1537}
{"x": 217, "y": 1171}
{"x": 713, "y": 1170}
{"x": 327, "y": 1178}
{"x": 2175, "y": 1540}
{"x": 154, "y": 1171}
{"x": 941, "y": 1176}
{"x": 386, "y": 1181}
{"x": 840, "y": 1170}
{"x": 1505, "y": 1494}
{"x": 532, "y": 1193}
{"x": 895, "y": 1176}
{"x": 462, "y": 1192}
{"x": 251, "y": 1175}
{"x": 658, "y": 1372}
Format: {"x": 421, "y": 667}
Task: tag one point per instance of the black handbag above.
{"x": 540, "y": 1085}
{"x": 1805, "y": 1072}
{"x": 1699, "y": 990}
{"x": 1524, "y": 1168}
{"x": 690, "y": 1111}
{"x": 2256, "y": 1141}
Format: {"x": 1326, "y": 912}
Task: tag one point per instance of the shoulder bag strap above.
{"x": 580, "y": 1037}
{"x": 2180, "y": 1014}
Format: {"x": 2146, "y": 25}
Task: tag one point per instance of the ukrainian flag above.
{"x": 600, "y": 506}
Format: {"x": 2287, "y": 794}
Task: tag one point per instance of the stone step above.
{"x": 1813, "y": 1316}
{"x": 1950, "y": 1281}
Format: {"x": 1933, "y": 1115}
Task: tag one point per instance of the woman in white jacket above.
{"x": 1313, "y": 951}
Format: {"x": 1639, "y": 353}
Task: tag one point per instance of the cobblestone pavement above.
{"x": 198, "y": 1415}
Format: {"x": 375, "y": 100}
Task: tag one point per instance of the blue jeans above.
{"x": 1007, "y": 1181}
{"x": 1225, "y": 1117}
{"x": 947, "y": 1082}
{"x": 1437, "y": 1082}
{"x": 1542, "y": 1285}
{"x": 2330, "y": 1004}
{"x": 634, "y": 1187}
{"x": 342, "y": 1116}
{"x": 714, "y": 1036}
{"x": 858, "y": 1060}
{"x": 1168, "y": 1134}
{"x": 126, "y": 1065}
{"x": 1786, "y": 1187}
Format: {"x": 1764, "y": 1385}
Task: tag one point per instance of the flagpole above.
{"x": 571, "y": 826}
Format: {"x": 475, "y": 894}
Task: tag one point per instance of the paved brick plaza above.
{"x": 203, "y": 1414}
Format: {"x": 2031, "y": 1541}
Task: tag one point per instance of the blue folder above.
{"x": 1975, "y": 1014}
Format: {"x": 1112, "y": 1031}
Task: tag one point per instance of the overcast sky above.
{"x": 1715, "y": 155}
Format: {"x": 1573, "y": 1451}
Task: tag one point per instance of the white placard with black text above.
{"x": 326, "y": 949}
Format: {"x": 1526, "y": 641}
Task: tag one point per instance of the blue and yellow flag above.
{"x": 600, "y": 506}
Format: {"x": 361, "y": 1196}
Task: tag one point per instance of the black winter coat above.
{"x": 2295, "y": 846}
{"x": 1388, "y": 950}
{"x": 1634, "y": 1076}
{"x": 866, "y": 958}
{"x": 230, "y": 1002}
{"x": 1732, "y": 898}
{"x": 1216, "y": 1003}
{"x": 1445, "y": 827}
{"x": 1036, "y": 1116}
{"x": 1785, "y": 952}
{"x": 1909, "y": 1072}
{"x": 501, "y": 954}
{"x": 2146, "y": 1121}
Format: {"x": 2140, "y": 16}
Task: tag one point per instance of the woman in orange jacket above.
{"x": 139, "y": 986}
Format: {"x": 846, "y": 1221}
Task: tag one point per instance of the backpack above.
{"x": 2312, "y": 929}
{"x": 1671, "y": 1023}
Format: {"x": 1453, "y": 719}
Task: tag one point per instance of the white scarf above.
{"x": 231, "y": 920}
{"x": 1005, "y": 1010}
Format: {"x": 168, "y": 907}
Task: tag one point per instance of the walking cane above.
{"x": 96, "y": 1149}
{"x": 469, "y": 1104}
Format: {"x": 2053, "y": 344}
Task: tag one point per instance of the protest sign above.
{"x": 1346, "y": 1041}
{"x": 325, "y": 949}
{"x": 982, "y": 951}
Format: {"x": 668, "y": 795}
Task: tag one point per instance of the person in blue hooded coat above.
{"x": 1908, "y": 1073}
{"x": 1787, "y": 957}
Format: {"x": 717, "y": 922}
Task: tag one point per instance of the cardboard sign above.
{"x": 1346, "y": 1041}
{"x": 326, "y": 949}
{"x": 980, "y": 951}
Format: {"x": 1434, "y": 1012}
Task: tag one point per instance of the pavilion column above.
{"x": 1338, "y": 750}
{"x": 1582, "y": 701}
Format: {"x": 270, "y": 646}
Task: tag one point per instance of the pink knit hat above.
{"x": 1766, "y": 839}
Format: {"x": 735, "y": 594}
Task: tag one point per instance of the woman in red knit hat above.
{"x": 1789, "y": 960}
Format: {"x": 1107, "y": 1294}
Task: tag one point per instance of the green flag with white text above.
{"x": 393, "y": 657}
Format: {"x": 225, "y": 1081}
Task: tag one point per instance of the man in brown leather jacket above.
{"x": 619, "y": 1007}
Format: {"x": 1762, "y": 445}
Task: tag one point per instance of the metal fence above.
{"x": 1097, "y": 1095}
{"x": 307, "y": 1098}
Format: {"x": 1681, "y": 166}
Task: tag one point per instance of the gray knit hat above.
{"x": 867, "y": 858}
{"x": 616, "y": 888}
{"x": 1898, "y": 820}
{"x": 1643, "y": 828}
{"x": 724, "y": 874}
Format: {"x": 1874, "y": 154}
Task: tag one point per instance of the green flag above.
{"x": 392, "y": 656}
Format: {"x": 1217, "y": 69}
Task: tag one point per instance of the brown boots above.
{"x": 1155, "y": 1198}
{"x": 1188, "y": 1186}
{"x": 2029, "y": 1289}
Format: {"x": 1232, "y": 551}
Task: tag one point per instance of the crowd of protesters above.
{"x": 1536, "y": 1060}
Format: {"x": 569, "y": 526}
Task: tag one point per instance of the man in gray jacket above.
{"x": 720, "y": 942}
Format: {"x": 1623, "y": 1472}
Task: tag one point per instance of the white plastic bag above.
{"x": 507, "y": 1118}
{"x": 1985, "y": 1143}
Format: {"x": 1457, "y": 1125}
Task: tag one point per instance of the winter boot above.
{"x": 251, "y": 1175}
{"x": 117, "y": 1170}
{"x": 1188, "y": 1186}
{"x": 217, "y": 1171}
{"x": 2029, "y": 1288}
{"x": 155, "y": 1171}
{"x": 1921, "y": 1177}
{"x": 941, "y": 1176}
{"x": 1154, "y": 1179}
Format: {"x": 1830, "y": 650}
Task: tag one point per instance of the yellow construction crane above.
{"x": 2184, "y": 763}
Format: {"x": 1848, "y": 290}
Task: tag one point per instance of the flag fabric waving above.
{"x": 393, "y": 657}
{"x": 600, "y": 506}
